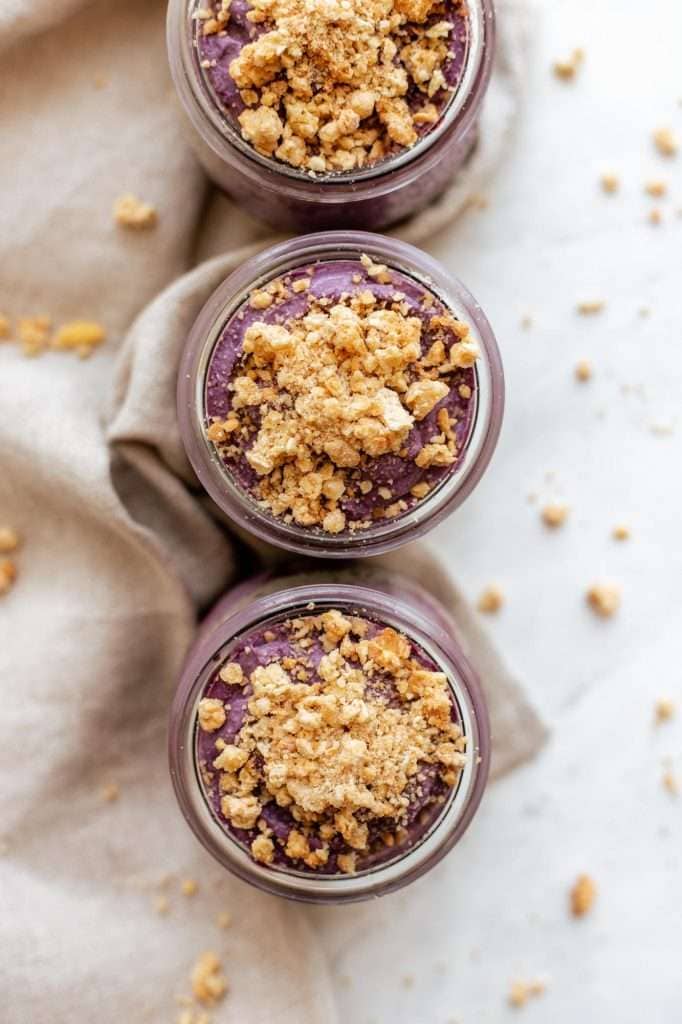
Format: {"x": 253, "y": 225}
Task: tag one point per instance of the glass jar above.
{"x": 487, "y": 400}
{"x": 373, "y": 197}
{"x": 389, "y": 600}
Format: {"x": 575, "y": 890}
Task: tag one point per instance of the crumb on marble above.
{"x": 664, "y": 710}
{"x": 521, "y": 991}
{"x": 670, "y": 782}
{"x": 554, "y": 515}
{"x": 656, "y": 188}
{"x": 189, "y": 887}
{"x": 491, "y": 600}
{"x": 591, "y": 307}
{"x": 604, "y": 599}
{"x": 567, "y": 69}
{"x": 583, "y": 371}
{"x": 666, "y": 142}
{"x": 610, "y": 183}
{"x": 656, "y": 217}
{"x": 583, "y": 896}
{"x": 131, "y": 212}
{"x": 621, "y": 532}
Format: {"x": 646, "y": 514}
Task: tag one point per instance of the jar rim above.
{"x": 446, "y": 828}
{"x": 382, "y": 535}
{"x": 227, "y": 143}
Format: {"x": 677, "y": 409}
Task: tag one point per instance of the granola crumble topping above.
{"x": 317, "y": 399}
{"x": 208, "y": 982}
{"x": 344, "y": 732}
{"x": 333, "y": 85}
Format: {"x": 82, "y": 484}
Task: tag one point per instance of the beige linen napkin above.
{"x": 119, "y": 547}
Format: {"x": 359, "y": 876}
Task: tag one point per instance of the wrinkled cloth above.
{"x": 120, "y": 549}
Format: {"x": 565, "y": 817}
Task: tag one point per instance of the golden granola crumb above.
{"x": 211, "y": 714}
{"x": 583, "y": 370}
{"x": 491, "y": 600}
{"x": 130, "y": 212}
{"x": 604, "y": 599}
{"x": 656, "y": 189}
{"x": 189, "y": 887}
{"x": 34, "y": 334}
{"x": 583, "y": 895}
{"x": 670, "y": 782}
{"x": 232, "y": 674}
{"x": 5, "y": 327}
{"x": 162, "y": 905}
{"x": 81, "y": 336}
{"x": 566, "y": 70}
{"x": 224, "y": 919}
{"x": 263, "y": 850}
{"x": 261, "y": 300}
{"x": 521, "y": 991}
{"x": 591, "y": 307}
{"x": 666, "y": 142}
{"x": 665, "y": 710}
{"x": 610, "y": 182}
{"x": 621, "y": 532}
{"x": 111, "y": 792}
{"x": 656, "y": 217}
{"x": 208, "y": 982}
{"x": 9, "y": 540}
{"x": 554, "y": 515}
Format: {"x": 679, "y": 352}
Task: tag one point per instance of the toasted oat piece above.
{"x": 610, "y": 182}
{"x": 208, "y": 982}
{"x": 656, "y": 189}
{"x": 554, "y": 515}
{"x": 621, "y": 532}
{"x": 666, "y": 142}
{"x": 604, "y": 599}
{"x": 583, "y": 371}
{"x": 490, "y": 600}
{"x": 664, "y": 710}
{"x": 521, "y": 991}
{"x": 591, "y": 307}
{"x": 131, "y": 212}
{"x": 583, "y": 896}
{"x": 566, "y": 70}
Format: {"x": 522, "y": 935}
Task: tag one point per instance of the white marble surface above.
{"x": 447, "y": 949}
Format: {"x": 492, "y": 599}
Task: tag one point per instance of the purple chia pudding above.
{"x": 328, "y": 744}
{"x": 321, "y": 483}
{"x": 302, "y": 107}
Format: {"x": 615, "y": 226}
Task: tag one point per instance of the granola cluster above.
{"x": 334, "y": 85}
{"x": 338, "y": 734}
{"x": 315, "y": 400}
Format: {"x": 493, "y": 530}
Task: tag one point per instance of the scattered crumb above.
{"x": 610, "y": 183}
{"x": 491, "y": 600}
{"x": 656, "y": 217}
{"x": 130, "y": 212}
{"x": 161, "y": 905}
{"x": 189, "y": 887}
{"x": 408, "y": 981}
{"x": 666, "y": 142}
{"x": 590, "y": 307}
{"x": 656, "y": 189}
{"x": 5, "y": 327}
{"x": 208, "y": 982}
{"x": 34, "y": 334}
{"x": 8, "y": 575}
{"x": 554, "y": 515}
{"x": 81, "y": 336}
{"x": 9, "y": 540}
{"x": 224, "y": 919}
{"x": 670, "y": 782}
{"x": 527, "y": 321}
{"x": 665, "y": 710}
{"x": 583, "y": 370}
{"x": 583, "y": 896}
{"x": 566, "y": 70}
{"x": 604, "y": 599}
{"x": 111, "y": 792}
{"x": 621, "y": 532}
{"x": 521, "y": 991}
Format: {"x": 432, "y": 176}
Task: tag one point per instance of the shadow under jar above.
{"x": 420, "y": 143}
{"x": 329, "y": 740}
{"x": 340, "y": 394}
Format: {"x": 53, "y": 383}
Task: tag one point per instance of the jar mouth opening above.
{"x": 407, "y": 863}
{"x": 204, "y": 95}
{"x": 383, "y": 534}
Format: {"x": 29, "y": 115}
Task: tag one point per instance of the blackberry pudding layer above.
{"x": 332, "y": 86}
{"x": 341, "y": 394}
